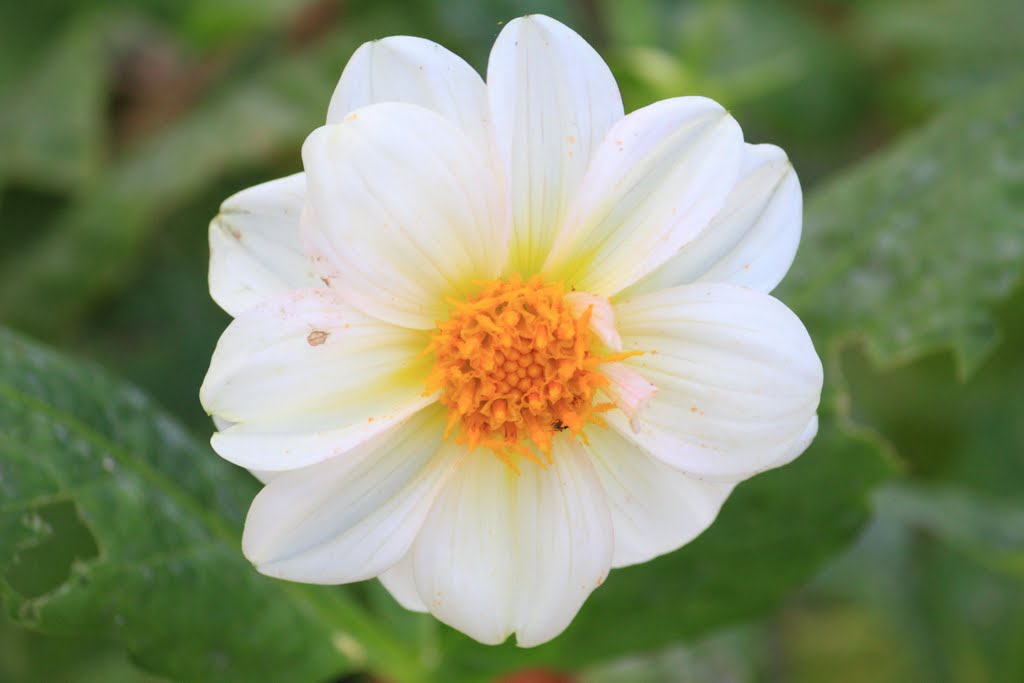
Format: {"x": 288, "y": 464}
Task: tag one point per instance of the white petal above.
{"x": 628, "y": 389}
{"x": 752, "y": 240}
{"x": 265, "y": 476}
{"x": 463, "y": 559}
{"x": 655, "y": 509}
{"x": 407, "y": 212}
{"x": 352, "y": 517}
{"x": 400, "y": 580}
{"x": 502, "y": 553}
{"x": 738, "y": 379}
{"x": 602, "y": 316}
{"x": 552, "y": 100}
{"x": 655, "y": 183}
{"x": 220, "y": 423}
{"x": 565, "y": 542}
{"x": 797, "y": 446}
{"x": 268, "y": 448}
{"x": 305, "y": 377}
{"x": 414, "y": 71}
{"x": 255, "y": 246}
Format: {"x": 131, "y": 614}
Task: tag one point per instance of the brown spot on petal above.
{"x": 317, "y": 337}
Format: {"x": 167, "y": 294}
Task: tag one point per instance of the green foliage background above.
{"x": 892, "y": 551}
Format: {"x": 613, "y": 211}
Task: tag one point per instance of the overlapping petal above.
{"x": 255, "y": 249}
{"x": 414, "y": 71}
{"x": 351, "y": 517}
{"x": 737, "y": 376}
{"x": 602, "y": 316}
{"x": 552, "y": 100}
{"x": 655, "y": 508}
{"x": 400, "y": 580}
{"x": 654, "y": 184}
{"x": 503, "y": 553}
{"x": 464, "y": 558}
{"x": 752, "y": 240}
{"x": 305, "y": 377}
{"x": 405, "y": 212}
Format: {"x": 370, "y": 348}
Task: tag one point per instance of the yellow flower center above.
{"x": 515, "y": 367}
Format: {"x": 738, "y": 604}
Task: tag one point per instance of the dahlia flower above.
{"x": 499, "y": 338}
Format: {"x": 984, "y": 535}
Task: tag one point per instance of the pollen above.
{"x": 516, "y": 368}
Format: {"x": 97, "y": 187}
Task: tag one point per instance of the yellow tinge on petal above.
{"x": 516, "y": 366}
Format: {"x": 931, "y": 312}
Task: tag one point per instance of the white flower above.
{"x": 499, "y": 339}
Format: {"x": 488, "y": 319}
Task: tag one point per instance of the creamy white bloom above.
{"x": 499, "y": 338}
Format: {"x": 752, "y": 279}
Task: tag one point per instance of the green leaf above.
{"x": 976, "y": 444}
{"x": 27, "y": 657}
{"x": 945, "y": 48}
{"x": 988, "y": 531}
{"x": 51, "y": 117}
{"x": 936, "y": 608}
{"x": 116, "y": 524}
{"x": 909, "y": 251}
{"x": 95, "y": 244}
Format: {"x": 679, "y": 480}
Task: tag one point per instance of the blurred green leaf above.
{"x": 788, "y": 75}
{"x": 116, "y": 524}
{"x": 757, "y": 62}
{"x": 265, "y": 115}
{"x": 27, "y": 657}
{"x": 991, "y": 532}
{"x": 51, "y": 117}
{"x": 726, "y": 656}
{"x": 941, "y": 614}
{"x": 909, "y": 251}
{"x": 935, "y": 51}
{"x": 211, "y": 23}
{"x": 967, "y": 435}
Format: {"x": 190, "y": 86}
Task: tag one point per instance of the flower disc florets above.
{"x": 515, "y": 365}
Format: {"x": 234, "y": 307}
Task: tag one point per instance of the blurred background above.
{"x": 124, "y": 124}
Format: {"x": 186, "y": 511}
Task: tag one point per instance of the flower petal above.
{"x": 406, "y": 212}
{"x": 654, "y": 184}
{"x": 752, "y": 240}
{"x": 627, "y": 389}
{"x": 400, "y": 581}
{"x": 502, "y": 552}
{"x": 737, "y": 375}
{"x": 265, "y": 476}
{"x": 255, "y": 247}
{"x": 552, "y": 100}
{"x": 414, "y": 71}
{"x": 655, "y": 508}
{"x": 305, "y": 377}
{"x": 463, "y": 559}
{"x": 565, "y": 542}
{"x": 352, "y": 517}
{"x": 602, "y": 316}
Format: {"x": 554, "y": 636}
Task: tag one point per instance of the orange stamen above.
{"x": 515, "y": 367}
